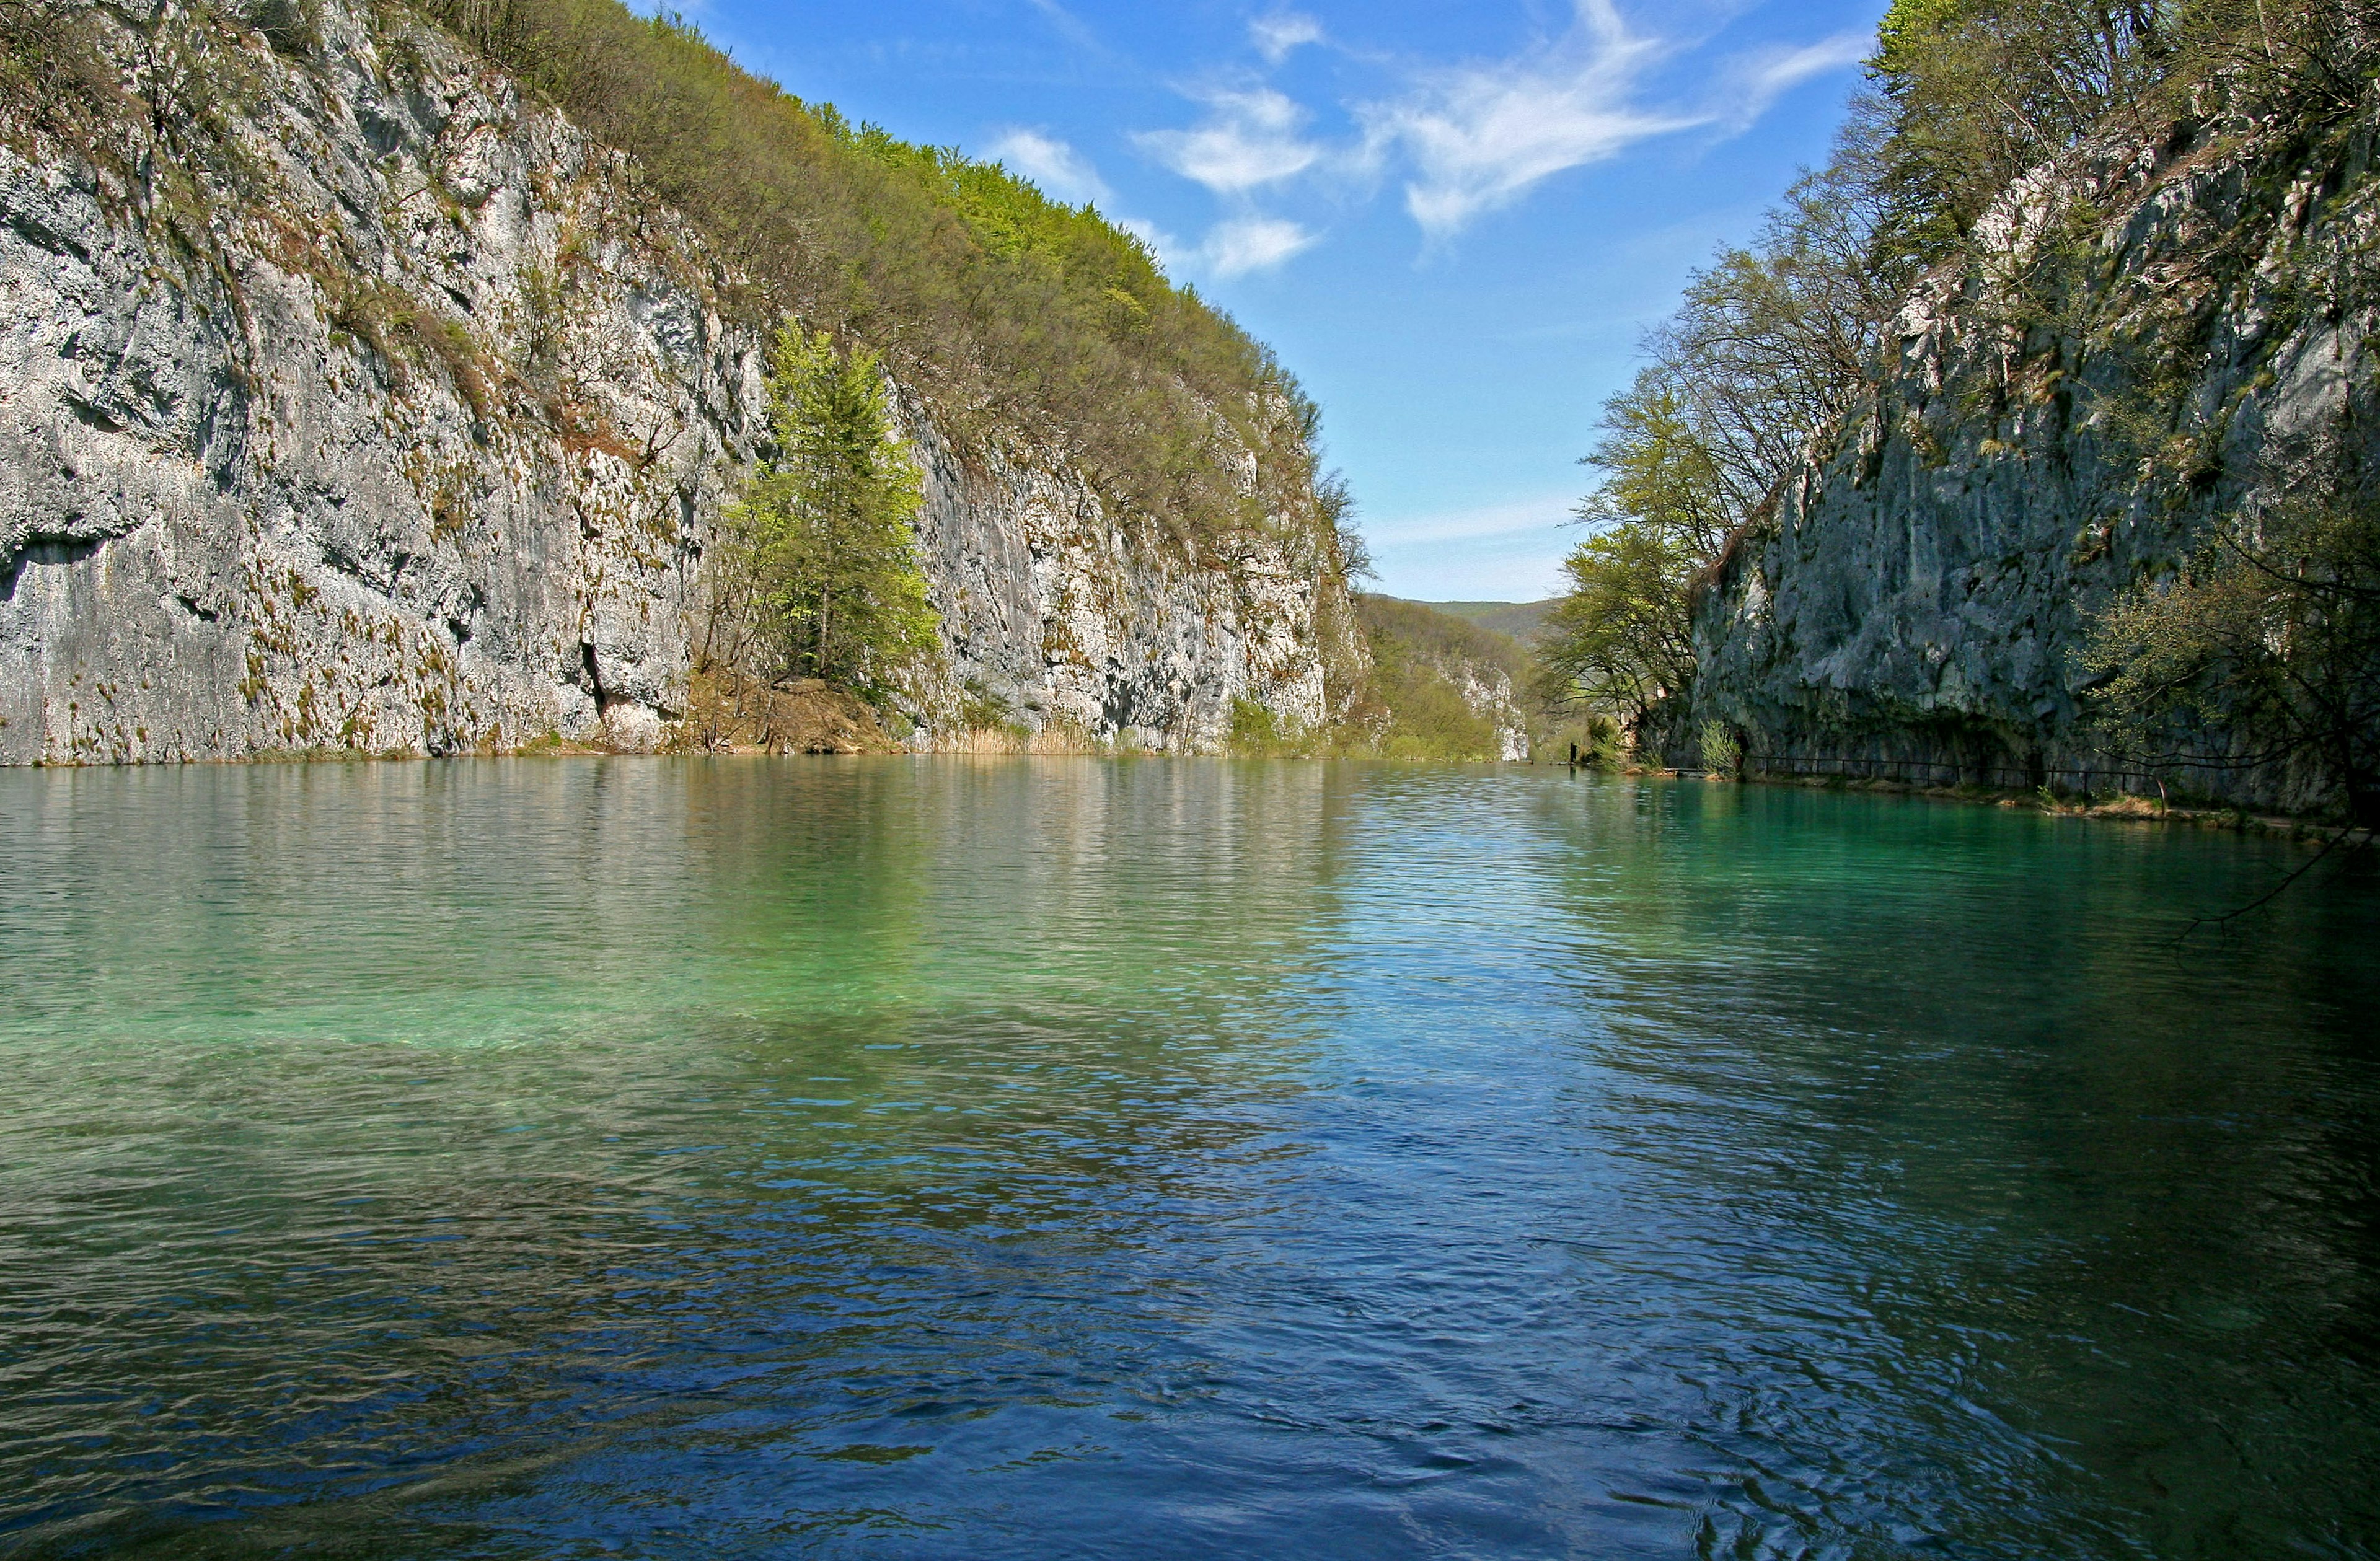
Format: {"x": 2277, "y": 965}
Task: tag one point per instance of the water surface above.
{"x": 1145, "y": 1158}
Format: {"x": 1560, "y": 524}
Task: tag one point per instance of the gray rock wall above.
{"x": 396, "y": 418}
{"x": 2048, "y": 429}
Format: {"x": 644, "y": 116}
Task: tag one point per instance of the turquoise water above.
{"x": 1018, "y": 1158}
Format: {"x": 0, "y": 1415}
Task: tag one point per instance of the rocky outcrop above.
{"x": 371, "y": 406}
{"x": 1069, "y": 623}
{"x": 2049, "y": 425}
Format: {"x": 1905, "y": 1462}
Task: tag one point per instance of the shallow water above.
{"x": 1050, "y": 1158}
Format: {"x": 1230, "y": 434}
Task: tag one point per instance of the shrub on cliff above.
{"x": 2270, "y": 632}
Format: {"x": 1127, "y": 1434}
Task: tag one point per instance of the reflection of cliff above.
{"x": 369, "y": 406}
{"x": 846, "y": 1073}
{"x": 1955, "y": 1042}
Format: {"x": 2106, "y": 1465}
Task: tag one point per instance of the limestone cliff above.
{"x": 378, "y": 408}
{"x": 2051, "y": 424}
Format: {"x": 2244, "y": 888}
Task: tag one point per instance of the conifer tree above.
{"x": 827, "y": 527}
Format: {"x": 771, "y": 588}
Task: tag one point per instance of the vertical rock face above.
{"x": 400, "y": 421}
{"x": 1073, "y": 625}
{"x": 2050, "y": 427}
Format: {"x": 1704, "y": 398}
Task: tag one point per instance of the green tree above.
{"x": 1620, "y": 640}
{"x": 1979, "y": 92}
{"x": 2268, "y": 639}
{"x": 825, "y": 537}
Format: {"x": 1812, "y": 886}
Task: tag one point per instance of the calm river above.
{"x": 1040, "y": 1158}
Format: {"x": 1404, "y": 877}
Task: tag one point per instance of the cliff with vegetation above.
{"x": 2032, "y": 441}
{"x": 1441, "y": 686}
{"x": 2141, "y": 334}
{"x": 377, "y": 379}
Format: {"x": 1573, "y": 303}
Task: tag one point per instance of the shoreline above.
{"x": 2123, "y": 806}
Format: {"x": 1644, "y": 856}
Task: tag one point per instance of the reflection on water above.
{"x": 1026, "y": 1158}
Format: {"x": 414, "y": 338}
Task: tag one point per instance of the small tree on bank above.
{"x": 1619, "y": 642}
{"x": 824, "y": 579}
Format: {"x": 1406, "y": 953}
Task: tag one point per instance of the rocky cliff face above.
{"x": 2049, "y": 427}
{"x": 371, "y": 406}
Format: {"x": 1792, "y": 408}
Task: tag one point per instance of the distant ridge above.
{"x": 1519, "y": 619}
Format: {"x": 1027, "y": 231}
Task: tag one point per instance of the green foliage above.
{"x": 1010, "y": 313}
{"x": 1519, "y": 620}
{"x": 1620, "y": 642}
{"x": 1413, "y": 707}
{"x": 1975, "y": 93}
{"x": 823, "y": 566}
{"x": 984, "y": 710}
{"x": 1440, "y": 635}
{"x": 52, "y": 81}
{"x": 1660, "y": 473}
{"x": 1606, "y": 744}
{"x": 2270, "y": 634}
{"x": 1982, "y": 90}
{"x": 1256, "y": 727}
{"x": 1721, "y": 753}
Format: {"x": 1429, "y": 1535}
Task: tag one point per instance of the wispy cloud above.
{"x": 1538, "y": 517}
{"x": 1068, "y": 26}
{"x": 1246, "y": 244}
{"x": 1251, "y": 138}
{"x": 1277, "y": 35}
{"x": 1234, "y": 247}
{"x": 1508, "y": 551}
{"x": 1061, "y": 170}
{"x": 1757, "y": 81}
{"x": 1480, "y": 136}
{"x": 1465, "y": 139}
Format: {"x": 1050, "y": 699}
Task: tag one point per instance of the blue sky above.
{"x": 1453, "y": 221}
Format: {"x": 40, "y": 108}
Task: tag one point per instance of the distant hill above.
{"x": 1431, "y": 629}
{"x": 1521, "y": 620}
{"x": 1447, "y": 687}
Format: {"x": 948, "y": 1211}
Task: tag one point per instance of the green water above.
{"x": 1040, "y": 1157}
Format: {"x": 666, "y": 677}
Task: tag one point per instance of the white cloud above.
{"x": 1759, "y": 80}
{"x": 1167, "y": 248}
{"x": 1068, "y": 26}
{"x": 1514, "y": 517}
{"x": 1246, "y": 244}
{"x": 1278, "y": 34}
{"x": 1467, "y": 138}
{"x": 1511, "y": 550}
{"x": 1481, "y": 136}
{"x": 1062, "y": 173}
{"x": 1250, "y": 139}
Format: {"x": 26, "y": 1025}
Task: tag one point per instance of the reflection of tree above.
{"x": 1922, "y": 1088}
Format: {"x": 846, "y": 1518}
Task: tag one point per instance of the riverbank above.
{"x": 2127, "y": 806}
